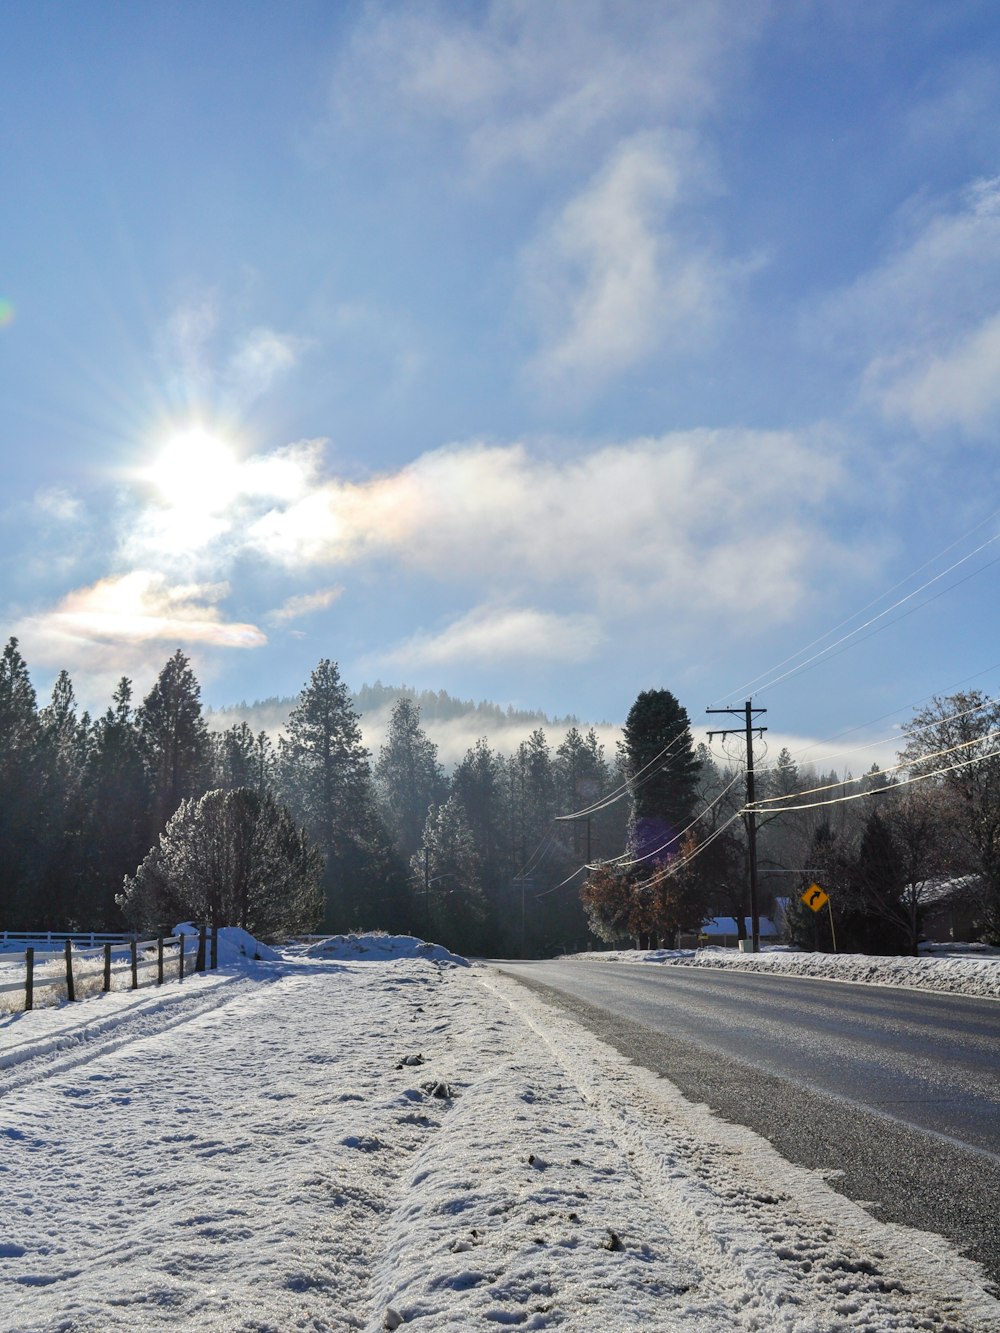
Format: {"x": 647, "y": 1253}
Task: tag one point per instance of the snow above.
{"x": 968, "y": 974}
{"x": 326, "y": 1142}
{"x": 376, "y": 946}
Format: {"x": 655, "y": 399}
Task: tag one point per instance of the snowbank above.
{"x": 957, "y": 976}
{"x": 376, "y": 947}
{"x": 235, "y": 945}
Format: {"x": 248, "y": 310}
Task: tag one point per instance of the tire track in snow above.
{"x": 53, "y": 1053}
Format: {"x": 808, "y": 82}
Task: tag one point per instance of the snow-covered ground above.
{"x": 337, "y": 1139}
{"x": 964, "y": 972}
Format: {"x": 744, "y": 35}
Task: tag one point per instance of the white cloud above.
{"x": 670, "y": 522}
{"x": 208, "y": 360}
{"x": 495, "y": 633}
{"x": 609, "y": 104}
{"x": 926, "y": 322}
{"x": 558, "y": 552}
{"x": 58, "y": 503}
{"x": 196, "y": 521}
{"x": 609, "y": 282}
{"x": 260, "y": 359}
{"x": 304, "y": 604}
{"x": 960, "y": 386}
{"x": 137, "y": 607}
{"x": 543, "y": 84}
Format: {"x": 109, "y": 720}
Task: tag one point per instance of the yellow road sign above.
{"x": 815, "y": 898}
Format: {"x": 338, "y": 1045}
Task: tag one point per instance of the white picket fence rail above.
{"x": 85, "y": 938}
{"x": 178, "y": 954}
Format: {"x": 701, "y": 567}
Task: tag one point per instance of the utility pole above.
{"x": 748, "y": 729}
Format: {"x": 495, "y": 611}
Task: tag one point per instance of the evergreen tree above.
{"x": 326, "y": 779}
{"x": 22, "y": 845}
{"x": 538, "y": 858}
{"x": 581, "y": 777}
{"x": 478, "y": 784}
{"x": 447, "y": 865}
{"x": 408, "y": 777}
{"x": 873, "y": 921}
{"x": 63, "y": 751}
{"x": 176, "y": 739}
{"x": 118, "y": 810}
{"x": 230, "y": 858}
{"x": 242, "y": 759}
{"x": 662, "y": 770}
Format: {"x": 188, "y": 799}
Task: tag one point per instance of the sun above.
{"x": 196, "y": 469}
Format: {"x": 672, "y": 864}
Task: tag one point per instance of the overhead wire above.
{"x": 630, "y": 784}
{"x": 987, "y": 702}
{"x": 753, "y": 683}
{"x": 624, "y": 862}
{"x": 894, "y": 768}
{"x": 902, "y": 782}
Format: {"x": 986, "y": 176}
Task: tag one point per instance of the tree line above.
{"x": 144, "y": 816}
{"x": 895, "y": 851}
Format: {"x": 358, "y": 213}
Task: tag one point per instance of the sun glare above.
{"x": 196, "y": 469}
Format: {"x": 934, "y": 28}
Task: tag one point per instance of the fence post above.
{"x": 199, "y": 962}
{"x": 135, "y": 964}
{"x": 107, "y": 968}
{"x": 29, "y": 980}
{"x": 180, "y": 960}
{"x": 70, "y": 988}
{"x": 215, "y": 948}
{"x": 159, "y": 960}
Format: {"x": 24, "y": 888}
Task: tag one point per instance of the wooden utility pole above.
{"x": 748, "y": 729}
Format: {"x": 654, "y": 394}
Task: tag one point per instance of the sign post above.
{"x": 816, "y": 899}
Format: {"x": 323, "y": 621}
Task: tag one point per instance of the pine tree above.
{"x": 231, "y": 858}
{"x": 478, "y": 784}
{"x": 63, "y": 748}
{"x": 242, "y": 759}
{"x": 662, "y": 770}
{"x": 118, "y": 808}
{"x": 22, "y": 846}
{"x": 176, "y": 739}
{"x": 325, "y": 777}
{"x": 448, "y": 867}
{"x": 408, "y": 777}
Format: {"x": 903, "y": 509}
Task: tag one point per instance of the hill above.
{"x": 453, "y": 724}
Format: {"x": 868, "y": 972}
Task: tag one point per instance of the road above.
{"x": 894, "y": 1092}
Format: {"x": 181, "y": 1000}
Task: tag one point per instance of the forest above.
{"x": 145, "y": 816}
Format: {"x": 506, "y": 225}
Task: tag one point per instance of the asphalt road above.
{"x": 898, "y": 1090}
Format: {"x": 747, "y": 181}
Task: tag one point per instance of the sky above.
{"x": 542, "y": 353}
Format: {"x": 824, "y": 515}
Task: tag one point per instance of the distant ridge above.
{"x": 440, "y": 713}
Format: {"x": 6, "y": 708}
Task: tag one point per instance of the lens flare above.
{"x": 6, "y": 313}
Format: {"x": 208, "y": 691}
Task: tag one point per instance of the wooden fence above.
{"x": 149, "y": 962}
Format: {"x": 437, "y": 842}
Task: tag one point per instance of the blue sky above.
{"x": 541, "y": 352}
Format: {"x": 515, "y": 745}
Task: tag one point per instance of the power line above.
{"x": 756, "y": 687}
{"x": 902, "y": 782}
